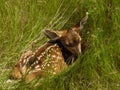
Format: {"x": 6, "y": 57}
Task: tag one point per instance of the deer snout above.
{"x": 76, "y": 50}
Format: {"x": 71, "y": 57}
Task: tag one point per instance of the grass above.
{"x": 22, "y": 22}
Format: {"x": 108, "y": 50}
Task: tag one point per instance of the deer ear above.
{"x": 83, "y": 21}
{"x": 52, "y": 35}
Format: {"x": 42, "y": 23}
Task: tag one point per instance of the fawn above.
{"x": 60, "y": 51}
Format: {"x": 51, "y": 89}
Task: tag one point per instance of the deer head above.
{"x": 69, "y": 40}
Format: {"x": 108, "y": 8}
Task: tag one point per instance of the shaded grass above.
{"x": 23, "y": 21}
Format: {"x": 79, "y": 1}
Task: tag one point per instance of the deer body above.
{"x": 60, "y": 51}
{"x": 47, "y": 59}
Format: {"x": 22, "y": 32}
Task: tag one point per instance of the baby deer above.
{"x": 61, "y": 50}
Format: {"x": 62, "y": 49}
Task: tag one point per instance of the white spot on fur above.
{"x": 48, "y": 65}
{"x": 58, "y": 53}
{"x": 33, "y": 64}
{"x": 53, "y": 61}
{"x": 36, "y": 62}
{"x": 32, "y": 55}
{"x": 43, "y": 53}
{"x": 53, "y": 56}
{"x": 24, "y": 61}
{"x": 37, "y": 66}
{"x": 58, "y": 58}
{"x": 39, "y": 57}
{"x": 55, "y": 68}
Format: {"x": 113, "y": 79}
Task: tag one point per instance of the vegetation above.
{"x": 22, "y": 22}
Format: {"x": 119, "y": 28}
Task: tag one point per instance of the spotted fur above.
{"x": 47, "y": 59}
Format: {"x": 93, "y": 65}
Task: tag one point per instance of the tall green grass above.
{"x": 22, "y": 22}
